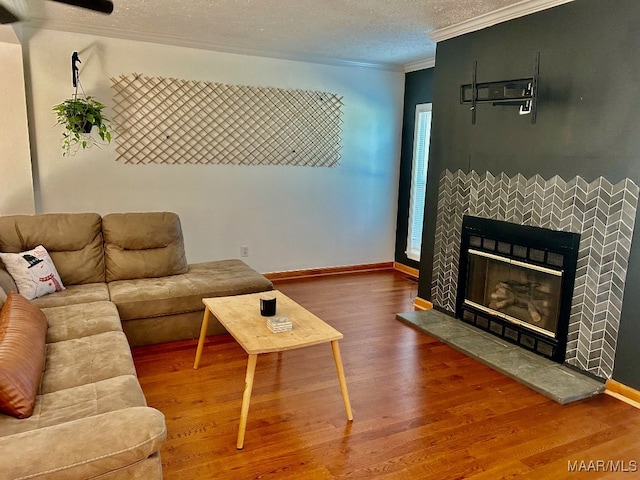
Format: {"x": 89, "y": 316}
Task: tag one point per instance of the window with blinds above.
{"x": 418, "y": 179}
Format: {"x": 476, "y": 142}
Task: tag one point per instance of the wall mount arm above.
{"x": 522, "y": 92}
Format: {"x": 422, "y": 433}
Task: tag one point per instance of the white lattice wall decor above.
{"x": 165, "y": 120}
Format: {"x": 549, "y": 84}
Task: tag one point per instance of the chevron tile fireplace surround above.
{"x": 602, "y": 213}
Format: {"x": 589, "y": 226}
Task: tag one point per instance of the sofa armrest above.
{"x": 83, "y": 448}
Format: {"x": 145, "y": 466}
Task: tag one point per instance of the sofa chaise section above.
{"x": 158, "y": 295}
{"x": 120, "y": 444}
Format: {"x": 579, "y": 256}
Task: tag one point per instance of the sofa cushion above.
{"x": 33, "y": 271}
{"x": 81, "y": 320}
{"x": 23, "y": 329}
{"x": 153, "y": 297}
{"x": 85, "y": 293}
{"x": 143, "y": 245}
{"x": 106, "y": 446}
{"x": 80, "y": 361}
{"x": 74, "y": 241}
{"x": 77, "y": 402}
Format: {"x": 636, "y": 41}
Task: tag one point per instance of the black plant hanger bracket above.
{"x": 75, "y": 73}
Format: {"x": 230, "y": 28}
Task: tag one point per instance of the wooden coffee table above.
{"x": 240, "y": 315}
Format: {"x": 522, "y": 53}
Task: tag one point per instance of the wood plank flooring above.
{"x": 421, "y": 409}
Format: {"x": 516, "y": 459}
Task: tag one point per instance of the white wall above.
{"x": 290, "y": 217}
{"x": 16, "y": 188}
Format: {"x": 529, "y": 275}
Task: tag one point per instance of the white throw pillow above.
{"x": 33, "y": 271}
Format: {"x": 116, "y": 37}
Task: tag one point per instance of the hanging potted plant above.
{"x": 79, "y": 115}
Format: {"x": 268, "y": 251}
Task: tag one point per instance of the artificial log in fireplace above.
{"x": 516, "y": 282}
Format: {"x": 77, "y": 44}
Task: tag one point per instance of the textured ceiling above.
{"x": 390, "y": 33}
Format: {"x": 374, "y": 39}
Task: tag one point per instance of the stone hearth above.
{"x": 557, "y": 382}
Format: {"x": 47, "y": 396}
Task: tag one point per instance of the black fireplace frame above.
{"x": 499, "y": 238}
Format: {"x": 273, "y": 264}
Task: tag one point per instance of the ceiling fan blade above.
{"x": 6, "y": 16}
{"x": 102, "y": 6}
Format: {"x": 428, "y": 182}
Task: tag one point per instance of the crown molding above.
{"x": 188, "y": 43}
{"x": 420, "y": 65}
{"x": 504, "y": 14}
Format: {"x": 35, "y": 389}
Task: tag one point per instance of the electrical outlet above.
{"x": 244, "y": 250}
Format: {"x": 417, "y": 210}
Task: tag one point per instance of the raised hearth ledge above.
{"x": 554, "y": 381}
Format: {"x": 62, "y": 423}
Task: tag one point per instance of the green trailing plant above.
{"x": 79, "y": 116}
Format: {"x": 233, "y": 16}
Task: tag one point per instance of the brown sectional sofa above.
{"x": 127, "y": 283}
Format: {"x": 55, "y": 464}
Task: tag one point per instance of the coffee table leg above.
{"x": 343, "y": 382}
{"x": 203, "y": 335}
{"x": 246, "y": 398}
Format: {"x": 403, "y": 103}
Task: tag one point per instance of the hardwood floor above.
{"x": 421, "y": 409}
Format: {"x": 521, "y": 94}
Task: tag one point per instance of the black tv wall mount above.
{"x": 522, "y": 92}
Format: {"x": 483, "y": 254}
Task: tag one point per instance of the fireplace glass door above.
{"x": 516, "y": 282}
{"x": 521, "y": 293}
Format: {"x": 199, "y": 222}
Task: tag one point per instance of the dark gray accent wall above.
{"x": 588, "y": 121}
{"x": 418, "y": 89}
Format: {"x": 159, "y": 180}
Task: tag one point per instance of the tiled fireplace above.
{"x": 601, "y": 213}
